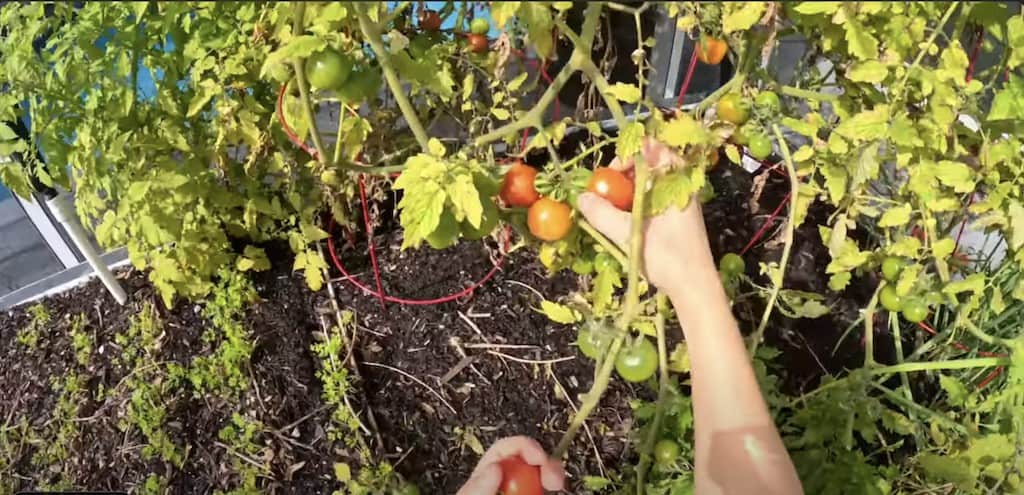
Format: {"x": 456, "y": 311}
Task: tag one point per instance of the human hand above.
{"x": 486, "y": 477}
{"x": 676, "y": 249}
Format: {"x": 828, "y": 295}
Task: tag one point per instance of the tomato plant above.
{"x": 637, "y": 362}
{"x": 517, "y": 188}
{"x": 612, "y": 185}
{"x": 549, "y": 220}
{"x": 519, "y": 478}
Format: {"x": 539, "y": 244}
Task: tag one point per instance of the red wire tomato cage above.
{"x": 541, "y": 66}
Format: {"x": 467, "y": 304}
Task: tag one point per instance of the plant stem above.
{"x": 794, "y": 187}
{"x": 898, "y": 340}
{"x": 533, "y": 118}
{"x": 300, "y": 79}
{"x": 337, "y": 139}
{"x": 807, "y": 94}
{"x": 910, "y": 405}
{"x": 604, "y": 242}
{"x": 663, "y": 391}
{"x": 601, "y": 380}
{"x": 371, "y": 34}
{"x": 955, "y": 364}
{"x": 869, "y": 328}
{"x": 931, "y": 41}
{"x": 980, "y": 335}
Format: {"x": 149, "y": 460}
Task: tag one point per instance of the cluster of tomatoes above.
{"x": 430, "y": 27}
{"x": 735, "y": 109}
{"x": 551, "y": 220}
{"x": 340, "y": 72}
{"x": 913, "y": 308}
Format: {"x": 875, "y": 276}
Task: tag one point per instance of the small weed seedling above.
{"x": 29, "y": 336}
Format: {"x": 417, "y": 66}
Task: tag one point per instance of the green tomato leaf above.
{"x": 896, "y": 217}
{"x": 741, "y": 16}
{"x": 629, "y": 93}
{"x": 559, "y": 313}
{"x": 501, "y": 12}
{"x": 464, "y": 195}
{"x": 297, "y": 47}
{"x": 1015, "y": 215}
{"x": 682, "y": 131}
{"x": 865, "y": 126}
{"x": 814, "y": 8}
{"x": 869, "y": 71}
{"x": 1008, "y": 103}
{"x": 629, "y": 140}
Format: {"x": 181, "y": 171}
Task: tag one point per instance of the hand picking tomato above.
{"x": 732, "y": 108}
{"x": 328, "y": 69}
{"x": 479, "y": 26}
{"x": 610, "y": 184}
{"x": 477, "y": 43}
{"x": 666, "y": 451}
{"x": 637, "y": 362}
{"x": 519, "y": 478}
{"x": 711, "y": 50}
{"x": 430, "y": 20}
{"x": 517, "y": 189}
{"x": 549, "y": 219}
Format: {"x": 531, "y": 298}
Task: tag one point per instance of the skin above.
{"x": 738, "y": 447}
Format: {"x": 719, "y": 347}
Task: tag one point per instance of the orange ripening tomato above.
{"x": 430, "y": 20}
{"x": 519, "y": 478}
{"x": 612, "y": 185}
{"x": 477, "y": 43}
{"x": 549, "y": 219}
{"x": 711, "y": 50}
{"x": 517, "y": 189}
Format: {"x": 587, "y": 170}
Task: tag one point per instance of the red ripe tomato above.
{"x": 612, "y": 185}
{"x": 430, "y": 20}
{"x": 477, "y": 43}
{"x": 549, "y": 219}
{"x": 519, "y": 478}
{"x": 711, "y": 50}
{"x": 517, "y": 189}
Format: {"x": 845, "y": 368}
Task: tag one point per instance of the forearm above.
{"x": 737, "y": 445}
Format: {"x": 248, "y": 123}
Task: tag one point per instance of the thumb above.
{"x": 609, "y": 220}
{"x": 486, "y": 482}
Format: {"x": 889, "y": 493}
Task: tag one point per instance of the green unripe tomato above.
{"x": 891, "y": 268}
{"x": 666, "y": 451}
{"x": 732, "y": 264}
{"x": 768, "y": 100}
{"x": 328, "y": 69}
{"x": 479, "y": 26}
{"x": 760, "y": 146}
{"x": 915, "y": 311}
{"x": 638, "y": 362}
{"x": 889, "y": 299}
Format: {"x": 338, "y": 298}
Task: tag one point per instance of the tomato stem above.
{"x": 371, "y": 33}
{"x": 663, "y": 390}
{"x": 300, "y": 79}
{"x": 869, "y": 327}
{"x": 794, "y": 186}
{"x": 807, "y": 94}
{"x": 601, "y": 380}
{"x": 604, "y": 242}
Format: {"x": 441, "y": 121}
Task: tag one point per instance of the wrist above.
{"x": 699, "y": 297}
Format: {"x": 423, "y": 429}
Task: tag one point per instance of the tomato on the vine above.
{"x": 591, "y": 344}
{"x": 446, "y": 233}
{"x": 363, "y": 83}
{"x": 477, "y": 43}
{"x": 889, "y": 299}
{"x": 891, "y": 268}
{"x": 914, "y": 311}
{"x": 666, "y": 451}
{"x": 517, "y": 189}
{"x": 768, "y": 100}
{"x": 430, "y": 20}
{"x": 328, "y": 69}
{"x": 760, "y": 146}
{"x": 637, "y": 362}
{"x": 732, "y": 108}
{"x": 612, "y": 185}
{"x": 549, "y": 220}
{"x": 711, "y": 50}
{"x": 519, "y": 478}
{"x": 488, "y": 221}
{"x": 732, "y": 264}
{"x": 479, "y": 26}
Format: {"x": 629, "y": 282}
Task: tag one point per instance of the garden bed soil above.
{"x": 411, "y": 358}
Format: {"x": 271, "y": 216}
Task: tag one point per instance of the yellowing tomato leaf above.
{"x": 895, "y": 217}
{"x": 559, "y": 313}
